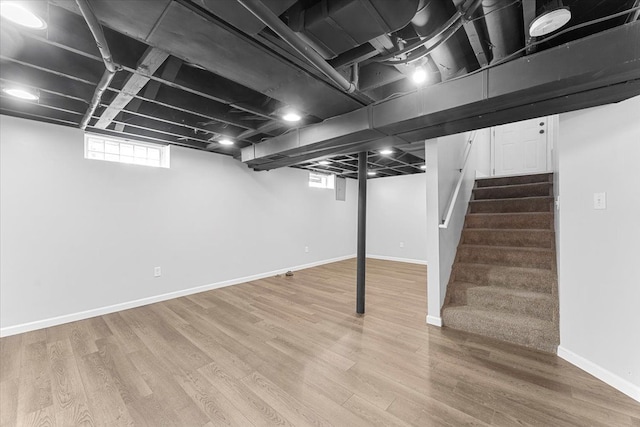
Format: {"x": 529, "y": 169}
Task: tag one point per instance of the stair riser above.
{"x": 522, "y": 238}
{"x": 509, "y": 257}
{"x": 540, "y": 221}
{"x": 540, "y": 307}
{"x": 531, "y": 190}
{"x": 536, "y": 281}
{"x": 543, "y": 340}
{"x": 458, "y": 296}
{"x": 507, "y": 205}
{"x": 514, "y": 180}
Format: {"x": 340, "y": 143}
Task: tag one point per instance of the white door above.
{"x": 521, "y": 147}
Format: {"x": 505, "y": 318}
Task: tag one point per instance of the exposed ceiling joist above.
{"x": 152, "y": 59}
{"x": 436, "y": 110}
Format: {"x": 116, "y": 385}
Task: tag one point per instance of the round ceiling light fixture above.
{"x": 226, "y": 141}
{"x": 17, "y": 13}
{"x": 371, "y": 173}
{"x": 292, "y": 116}
{"x": 324, "y": 162}
{"x": 21, "y": 93}
{"x": 553, "y": 15}
{"x": 423, "y": 167}
{"x": 386, "y": 151}
{"x": 419, "y": 75}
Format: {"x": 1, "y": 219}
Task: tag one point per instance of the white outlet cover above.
{"x": 157, "y": 272}
{"x": 599, "y": 200}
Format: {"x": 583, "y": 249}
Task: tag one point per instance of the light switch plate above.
{"x": 599, "y": 200}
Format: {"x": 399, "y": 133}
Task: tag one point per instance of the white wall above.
{"x": 444, "y": 160}
{"x": 396, "y": 213}
{"x": 80, "y": 235}
{"x": 599, "y": 282}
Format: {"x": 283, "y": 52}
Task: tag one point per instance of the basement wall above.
{"x": 599, "y": 250}
{"x": 396, "y": 212}
{"x": 81, "y": 237}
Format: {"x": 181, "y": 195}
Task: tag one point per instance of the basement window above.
{"x": 321, "y": 180}
{"x": 99, "y": 147}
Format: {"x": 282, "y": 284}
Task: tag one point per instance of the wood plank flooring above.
{"x": 290, "y": 351}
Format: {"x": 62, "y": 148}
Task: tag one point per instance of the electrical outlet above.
{"x": 157, "y": 272}
{"x": 402, "y": 244}
{"x": 306, "y": 249}
{"x": 599, "y": 200}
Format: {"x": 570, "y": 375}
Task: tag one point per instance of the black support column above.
{"x": 362, "y": 230}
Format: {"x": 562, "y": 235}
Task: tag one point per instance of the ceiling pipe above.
{"x": 264, "y": 14}
{"x": 103, "y": 47}
{"x": 451, "y": 49}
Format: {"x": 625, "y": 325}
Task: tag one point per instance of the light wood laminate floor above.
{"x": 291, "y": 351}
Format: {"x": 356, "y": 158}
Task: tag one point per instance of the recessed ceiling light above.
{"x": 21, "y": 93}
{"x": 226, "y": 141}
{"x": 423, "y": 167}
{"x": 386, "y": 151}
{"x": 371, "y": 173}
{"x": 554, "y": 16}
{"x": 324, "y": 162}
{"x": 292, "y": 116}
{"x": 15, "y": 12}
{"x": 419, "y": 76}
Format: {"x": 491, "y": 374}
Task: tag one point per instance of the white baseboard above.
{"x": 390, "y": 258}
{"x": 59, "y": 320}
{"x": 434, "y": 320}
{"x": 631, "y": 390}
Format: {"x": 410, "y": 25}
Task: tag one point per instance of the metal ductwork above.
{"x": 264, "y": 14}
{"x": 103, "y": 47}
{"x": 505, "y": 28}
{"x": 451, "y": 57}
{"x": 332, "y": 27}
{"x": 560, "y": 79}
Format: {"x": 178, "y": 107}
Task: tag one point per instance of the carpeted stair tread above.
{"x": 513, "y": 191}
{"x": 503, "y": 282}
{"x": 511, "y": 205}
{"x": 532, "y": 279}
{"x": 508, "y": 248}
{"x": 519, "y": 220}
{"x": 535, "y": 304}
{"x": 508, "y": 237}
{"x": 523, "y": 330}
{"x": 518, "y": 179}
{"x": 506, "y": 255}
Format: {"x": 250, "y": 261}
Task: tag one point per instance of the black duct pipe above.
{"x": 505, "y": 27}
{"x": 451, "y": 55}
{"x": 264, "y": 14}
{"x": 103, "y": 47}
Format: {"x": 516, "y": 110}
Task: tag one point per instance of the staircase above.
{"x": 504, "y": 283}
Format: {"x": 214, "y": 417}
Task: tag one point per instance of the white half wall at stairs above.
{"x": 444, "y": 161}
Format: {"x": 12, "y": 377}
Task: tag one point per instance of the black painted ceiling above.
{"x": 227, "y": 75}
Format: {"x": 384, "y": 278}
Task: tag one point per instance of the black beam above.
{"x": 362, "y": 230}
{"x": 562, "y": 72}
